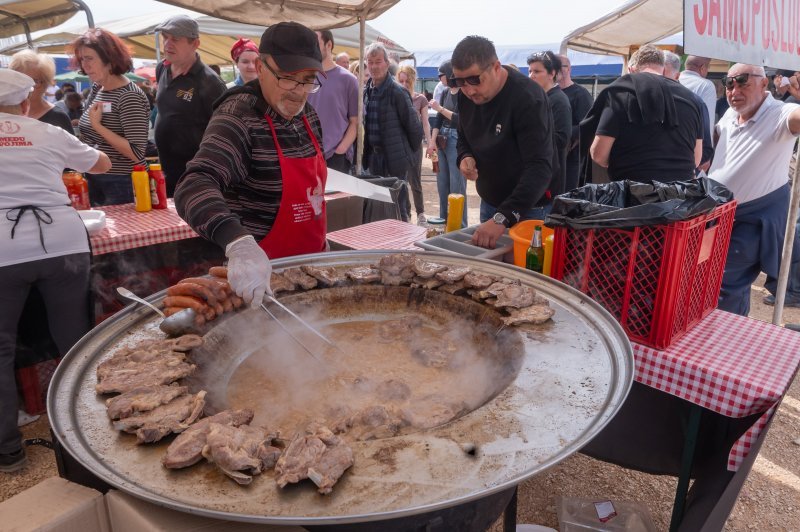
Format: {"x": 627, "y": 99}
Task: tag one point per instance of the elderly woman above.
{"x": 42, "y": 69}
{"x": 43, "y": 242}
{"x": 407, "y": 77}
{"x": 116, "y": 114}
{"x": 244, "y": 53}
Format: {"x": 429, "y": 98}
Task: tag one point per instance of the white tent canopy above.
{"x": 636, "y": 23}
{"x": 216, "y": 37}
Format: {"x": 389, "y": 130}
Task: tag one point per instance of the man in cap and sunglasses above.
{"x": 505, "y": 140}
{"x": 256, "y": 186}
{"x": 754, "y": 142}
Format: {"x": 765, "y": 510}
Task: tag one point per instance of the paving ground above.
{"x": 770, "y": 499}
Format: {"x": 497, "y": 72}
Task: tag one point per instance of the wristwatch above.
{"x": 500, "y": 219}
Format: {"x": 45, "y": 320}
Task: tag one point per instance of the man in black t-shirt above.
{"x": 649, "y": 127}
{"x": 505, "y": 140}
{"x": 580, "y": 101}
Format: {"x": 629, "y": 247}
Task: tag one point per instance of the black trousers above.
{"x": 339, "y": 161}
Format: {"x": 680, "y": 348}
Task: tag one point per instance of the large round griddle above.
{"x": 575, "y": 373}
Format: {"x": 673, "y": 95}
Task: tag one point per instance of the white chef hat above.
{"x": 14, "y": 86}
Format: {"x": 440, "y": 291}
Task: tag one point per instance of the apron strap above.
{"x": 42, "y": 216}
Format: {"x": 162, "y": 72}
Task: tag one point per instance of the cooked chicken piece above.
{"x": 428, "y": 284}
{"x": 175, "y": 416}
{"x": 163, "y": 371}
{"x": 533, "y": 314}
{"x": 300, "y": 278}
{"x": 187, "y": 448}
{"x": 397, "y": 269}
{"x": 319, "y": 455}
{"x": 240, "y": 452}
{"x": 397, "y": 330}
{"x": 279, "y": 283}
{"x": 142, "y": 400}
{"x": 516, "y": 296}
{"x": 329, "y": 276}
{"x": 478, "y": 281}
{"x": 393, "y": 390}
{"x": 427, "y": 270}
{"x": 452, "y": 288}
{"x": 453, "y": 274}
{"x": 364, "y": 274}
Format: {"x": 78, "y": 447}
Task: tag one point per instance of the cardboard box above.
{"x": 129, "y": 514}
{"x": 55, "y": 504}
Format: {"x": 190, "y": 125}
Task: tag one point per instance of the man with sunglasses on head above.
{"x": 505, "y": 141}
{"x": 256, "y": 186}
{"x": 754, "y": 142}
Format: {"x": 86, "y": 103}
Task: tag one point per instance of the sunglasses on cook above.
{"x": 741, "y": 80}
{"x": 289, "y": 84}
{"x": 468, "y": 80}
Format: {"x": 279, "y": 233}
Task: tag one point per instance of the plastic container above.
{"x": 460, "y": 242}
{"x": 657, "y": 281}
{"x": 33, "y": 382}
{"x": 435, "y": 227}
{"x": 577, "y": 514}
{"x": 455, "y": 211}
{"x": 158, "y": 187}
{"x": 522, "y": 233}
{"x": 141, "y": 188}
{"x": 77, "y": 190}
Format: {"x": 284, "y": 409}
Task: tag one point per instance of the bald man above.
{"x": 694, "y": 79}
{"x": 755, "y": 138}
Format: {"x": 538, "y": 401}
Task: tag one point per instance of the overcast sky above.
{"x": 426, "y": 24}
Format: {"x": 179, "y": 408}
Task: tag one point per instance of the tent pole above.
{"x": 85, "y": 8}
{"x": 360, "y": 136}
{"x": 158, "y": 47}
{"x": 788, "y": 241}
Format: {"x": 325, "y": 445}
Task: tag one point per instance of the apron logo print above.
{"x": 185, "y": 95}
{"x": 8, "y": 127}
{"x": 316, "y": 197}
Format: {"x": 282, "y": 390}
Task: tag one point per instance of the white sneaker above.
{"x": 421, "y": 219}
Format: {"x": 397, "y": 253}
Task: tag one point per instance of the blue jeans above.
{"x": 449, "y": 179}
{"x": 109, "y": 189}
{"x": 534, "y": 213}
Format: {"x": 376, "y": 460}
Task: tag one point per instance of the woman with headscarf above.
{"x": 42, "y": 69}
{"x": 244, "y": 53}
{"x": 407, "y": 77}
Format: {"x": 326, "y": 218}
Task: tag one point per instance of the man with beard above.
{"x": 256, "y": 186}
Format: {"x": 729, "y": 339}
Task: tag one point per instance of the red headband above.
{"x": 242, "y": 45}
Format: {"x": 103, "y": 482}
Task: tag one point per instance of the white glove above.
{"x": 249, "y": 270}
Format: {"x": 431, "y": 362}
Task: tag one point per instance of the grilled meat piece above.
{"x": 534, "y": 314}
{"x": 187, "y": 448}
{"x": 175, "y": 416}
{"x": 187, "y": 342}
{"x": 364, "y": 274}
{"x": 427, "y": 270}
{"x": 329, "y": 276}
{"x": 453, "y": 274}
{"x": 428, "y": 284}
{"x": 478, "y": 281}
{"x": 516, "y": 296}
{"x": 319, "y": 455}
{"x": 164, "y": 370}
{"x": 452, "y": 288}
{"x": 137, "y": 357}
{"x": 397, "y": 269}
{"x": 142, "y": 400}
{"x": 279, "y": 283}
{"x": 300, "y": 278}
{"x": 240, "y": 452}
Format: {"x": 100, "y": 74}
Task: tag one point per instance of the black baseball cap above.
{"x": 293, "y": 46}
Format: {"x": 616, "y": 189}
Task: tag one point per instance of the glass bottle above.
{"x": 534, "y": 258}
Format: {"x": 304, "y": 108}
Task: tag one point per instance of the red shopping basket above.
{"x": 657, "y": 281}
{"x": 33, "y": 382}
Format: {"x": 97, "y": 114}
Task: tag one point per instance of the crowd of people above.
{"x": 247, "y": 163}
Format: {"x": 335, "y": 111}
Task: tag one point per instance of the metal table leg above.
{"x": 687, "y": 460}
{"x": 510, "y": 514}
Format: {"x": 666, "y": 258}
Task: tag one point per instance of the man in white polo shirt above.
{"x": 754, "y": 144}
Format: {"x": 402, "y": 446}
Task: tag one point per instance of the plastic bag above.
{"x": 375, "y": 210}
{"x": 581, "y": 514}
{"x": 627, "y": 204}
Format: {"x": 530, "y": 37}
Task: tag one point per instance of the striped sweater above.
{"x": 233, "y": 185}
{"x": 129, "y": 118}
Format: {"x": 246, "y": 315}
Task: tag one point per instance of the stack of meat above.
{"x": 208, "y": 296}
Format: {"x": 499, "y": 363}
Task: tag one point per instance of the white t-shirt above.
{"x": 33, "y": 156}
{"x": 752, "y": 159}
{"x": 703, "y": 88}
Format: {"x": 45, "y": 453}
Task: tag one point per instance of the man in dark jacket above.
{"x": 393, "y": 131}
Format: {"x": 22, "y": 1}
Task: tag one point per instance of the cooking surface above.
{"x": 567, "y": 378}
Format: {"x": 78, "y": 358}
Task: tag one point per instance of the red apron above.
{"x": 301, "y": 224}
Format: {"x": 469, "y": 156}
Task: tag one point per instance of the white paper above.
{"x": 342, "y": 182}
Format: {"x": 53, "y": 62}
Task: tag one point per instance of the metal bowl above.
{"x": 572, "y": 378}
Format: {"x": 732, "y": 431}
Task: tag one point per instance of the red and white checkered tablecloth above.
{"x": 383, "y": 234}
{"x": 729, "y": 364}
{"x": 127, "y": 229}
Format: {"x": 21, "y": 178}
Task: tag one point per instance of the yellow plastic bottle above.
{"x": 455, "y": 210}
{"x": 141, "y": 188}
{"x": 548, "y": 255}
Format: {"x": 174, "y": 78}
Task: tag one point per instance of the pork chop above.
{"x": 187, "y": 448}
{"x": 240, "y": 452}
{"x": 427, "y": 270}
{"x": 165, "y": 370}
{"x": 516, "y": 296}
{"x": 300, "y": 278}
{"x": 135, "y": 358}
{"x": 319, "y": 455}
{"x": 142, "y": 400}
{"x": 478, "y": 281}
{"x": 428, "y": 284}
{"x": 328, "y": 276}
{"x": 279, "y": 283}
{"x": 453, "y": 274}
{"x": 364, "y": 274}
{"x": 397, "y": 269}
{"x": 175, "y": 416}
{"x": 534, "y": 314}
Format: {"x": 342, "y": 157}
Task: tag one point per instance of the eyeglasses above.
{"x": 740, "y": 80}
{"x": 289, "y": 84}
{"x": 470, "y": 80}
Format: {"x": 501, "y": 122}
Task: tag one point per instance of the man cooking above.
{"x": 256, "y": 186}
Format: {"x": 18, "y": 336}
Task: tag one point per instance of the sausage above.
{"x": 207, "y": 283}
{"x": 198, "y": 305}
{"x": 184, "y": 288}
{"x": 237, "y": 301}
{"x": 227, "y": 304}
{"x": 219, "y": 271}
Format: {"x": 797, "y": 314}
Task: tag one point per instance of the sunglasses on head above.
{"x": 468, "y": 80}
{"x": 740, "y": 80}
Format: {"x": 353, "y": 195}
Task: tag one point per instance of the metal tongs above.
{"x": 303, "y": 322}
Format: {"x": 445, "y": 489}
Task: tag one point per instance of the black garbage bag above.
{"x": 375, "y": 210}
{"x": 627, "y": 204}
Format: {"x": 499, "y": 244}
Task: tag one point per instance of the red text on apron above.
{"x": 300, "y": 225}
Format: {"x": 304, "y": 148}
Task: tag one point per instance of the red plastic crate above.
{"x": 657, "y": 281}
{"x": 33, "y": 382}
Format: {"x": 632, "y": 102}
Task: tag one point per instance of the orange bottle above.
{"x": 77, "y": 190}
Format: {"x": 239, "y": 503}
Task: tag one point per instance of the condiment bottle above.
{"x": 141, "y": 188}
{"x": 534, "y": 258}
{"x": 435, "y": 227}
{"x": 158, "y": 187}
{"x": 77, "y": 190}
{"x": 455, "y": 211}
{"x": 548, "y": 254}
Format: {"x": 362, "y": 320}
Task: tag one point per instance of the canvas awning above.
{"x": 636, "y": 23}
{"x": 18, "y": 17}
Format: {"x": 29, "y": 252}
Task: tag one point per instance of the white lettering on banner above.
{"x": 759, "y": 32}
